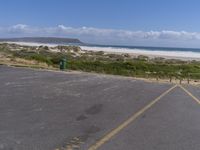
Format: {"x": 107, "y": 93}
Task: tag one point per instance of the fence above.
{"x": 189, "y": 78}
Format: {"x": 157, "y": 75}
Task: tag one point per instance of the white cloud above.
{"x": 19, "y": 28}
{"x": 97, "y": 35}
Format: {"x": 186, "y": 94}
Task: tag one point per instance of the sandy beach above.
{"x": 152, "y": 54}
{"x": 181, "y": 55}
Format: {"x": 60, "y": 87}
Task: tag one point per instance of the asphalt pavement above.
{"x": 45, "y": 110}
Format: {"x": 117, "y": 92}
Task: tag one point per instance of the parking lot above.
{"x": 46, "y": 110}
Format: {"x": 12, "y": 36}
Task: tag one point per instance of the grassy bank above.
{"x": 99, "y": 62}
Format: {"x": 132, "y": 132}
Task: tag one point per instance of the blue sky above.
{"x": 173, "y": 23}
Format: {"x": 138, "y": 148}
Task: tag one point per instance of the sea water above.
{"x": 153, "y": 51}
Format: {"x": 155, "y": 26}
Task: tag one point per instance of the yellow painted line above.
{"x": 190, "y": 94}
{"x": 116, "y": 130}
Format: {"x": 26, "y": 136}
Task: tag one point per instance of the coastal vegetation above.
{"x": 100, "y": 62}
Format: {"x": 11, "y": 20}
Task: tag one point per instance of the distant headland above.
{"x": 49, "y": 40}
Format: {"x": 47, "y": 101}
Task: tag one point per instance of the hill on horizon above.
{"x": 47, "y": 40}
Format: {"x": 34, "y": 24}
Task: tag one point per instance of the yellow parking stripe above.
{"x": 115, "y": 131}
{"x": 190, "y": 94}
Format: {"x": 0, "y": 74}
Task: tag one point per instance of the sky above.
{"x": 167, "y": 23}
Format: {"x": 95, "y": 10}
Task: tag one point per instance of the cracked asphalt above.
{"x": 45, "y": 110}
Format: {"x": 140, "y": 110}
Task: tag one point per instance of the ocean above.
{"x": 189, "y": 53}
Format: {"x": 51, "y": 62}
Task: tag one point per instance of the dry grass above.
{"x": 9, "y": 60}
